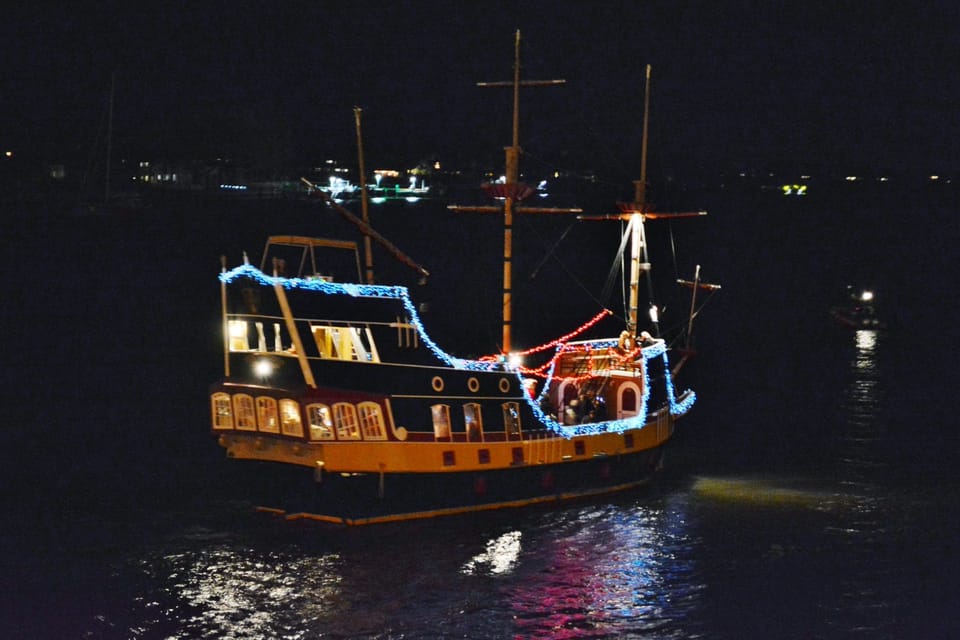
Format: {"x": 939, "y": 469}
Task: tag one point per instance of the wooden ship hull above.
{"x": 359, "y": 417}
{"x": 348, "y": 412}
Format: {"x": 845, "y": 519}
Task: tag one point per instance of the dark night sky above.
{"x": 842, "y": 86}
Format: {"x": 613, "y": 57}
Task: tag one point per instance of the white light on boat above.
{"x": 263, "y": 367}
{"x": 654, "y": 313}
{"x": 238, "y": 329}
{"x": 515, "y": 360}
{"x": 866, "y": 296}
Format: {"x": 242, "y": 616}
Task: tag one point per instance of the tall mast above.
{"x": 638, "y": 238}
{"x": 364, "y": 204}
{"x": 635, "y": 214}
{"x": 513, "y": 191}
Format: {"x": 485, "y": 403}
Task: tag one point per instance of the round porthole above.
{"x": 437, "y": 384}
{"x": 504, "y": 385}
{"x": 473, "y": 384}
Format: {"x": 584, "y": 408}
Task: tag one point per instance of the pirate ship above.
{"x": 352, "y": 414}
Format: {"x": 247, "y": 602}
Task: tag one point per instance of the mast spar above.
{"x": 635, "y": 214}
{"x": 512, "y": 191}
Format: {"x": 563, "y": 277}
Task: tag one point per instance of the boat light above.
{"x": 654, "y": 313}
{"x": 515, "y": 360}
{"x": 263, "y": 367}
{"x": 866, "y": 296}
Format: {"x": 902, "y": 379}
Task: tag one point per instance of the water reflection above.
{"x": 229, "y": 591}
{"x": 861, "y": 405}
{"x": 608, "y": 572}
{"x": 499, "y": 556}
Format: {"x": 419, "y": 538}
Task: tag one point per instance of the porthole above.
{"x": 473, "y": 384}
{"x": 437, "y": 384}
{"x": 504, "y": 385}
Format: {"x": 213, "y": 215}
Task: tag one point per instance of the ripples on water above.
{"x": 858, "y": 541}
{"x": 845, "y": 554}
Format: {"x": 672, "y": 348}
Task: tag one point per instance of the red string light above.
{"x": 561, "y": 340}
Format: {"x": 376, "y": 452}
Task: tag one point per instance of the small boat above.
{"x": 859, "y": 312}
{"x": 352, "y": 414}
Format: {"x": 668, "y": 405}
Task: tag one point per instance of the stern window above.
{"x": 290, "y": 424}
{"x": 267, "y": 415}
{"x": 371, "y": 421}
{"x": 246, "y": 415}
{"x": 345, "y": 419}
{"x": 321, "y": 422}
{"x": 221, "y": 410}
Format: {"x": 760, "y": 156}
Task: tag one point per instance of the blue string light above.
{"x": 401, "y": 293}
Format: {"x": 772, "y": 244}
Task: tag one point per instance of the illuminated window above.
{"x": 290, "y": 424}
{"x": 441, "y": 421}
{"x": 371, "y": 421}
{"x": 267, "y": 418}
{"x": 321, "y": 422}
{"x": 345, "y": 343}
{"x": 511, "y": 418}
{"x": 473, "y": 421}
{"x": 345, "y": 420}
{"x": 246, "y": 415}
{"x": 221, "y": 410}
{"x": 238, "y": 336}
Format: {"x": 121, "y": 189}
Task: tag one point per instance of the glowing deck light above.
{"x": 654, "y": 313}
{"x": 515, "y": 361}
{"x": 866, "y": 296}
{"x": 263, "y": 367}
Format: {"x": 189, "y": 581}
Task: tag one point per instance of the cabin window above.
{"x": 511, "y": 418}
{"x": 221, "y": 410}
{"x": 345, "y": 343}
{"x": 628, "y": 440}
{"x": 245, "y": 413}
{"x": 290, "y": 423}
{"x": 267, "y": 418}
{"x": 473, "y": 421}
{"x": 441, "y": 421}
{"x": 371, "y": 421}
{"x": 345, "y": 419}
{"x": 238, "y": 335}
{"x": 321, "y": 422}
{"x": 483, "y": 456}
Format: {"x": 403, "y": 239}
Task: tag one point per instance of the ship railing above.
{"x": 340, "y": 339}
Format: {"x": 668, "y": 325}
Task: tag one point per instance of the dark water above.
{"x": 811, "y": 493}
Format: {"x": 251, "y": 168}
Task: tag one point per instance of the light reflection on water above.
{"x": 608, "y": 573}
{"x": 835, "y": 555}
{"x": 591, "y": 571}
